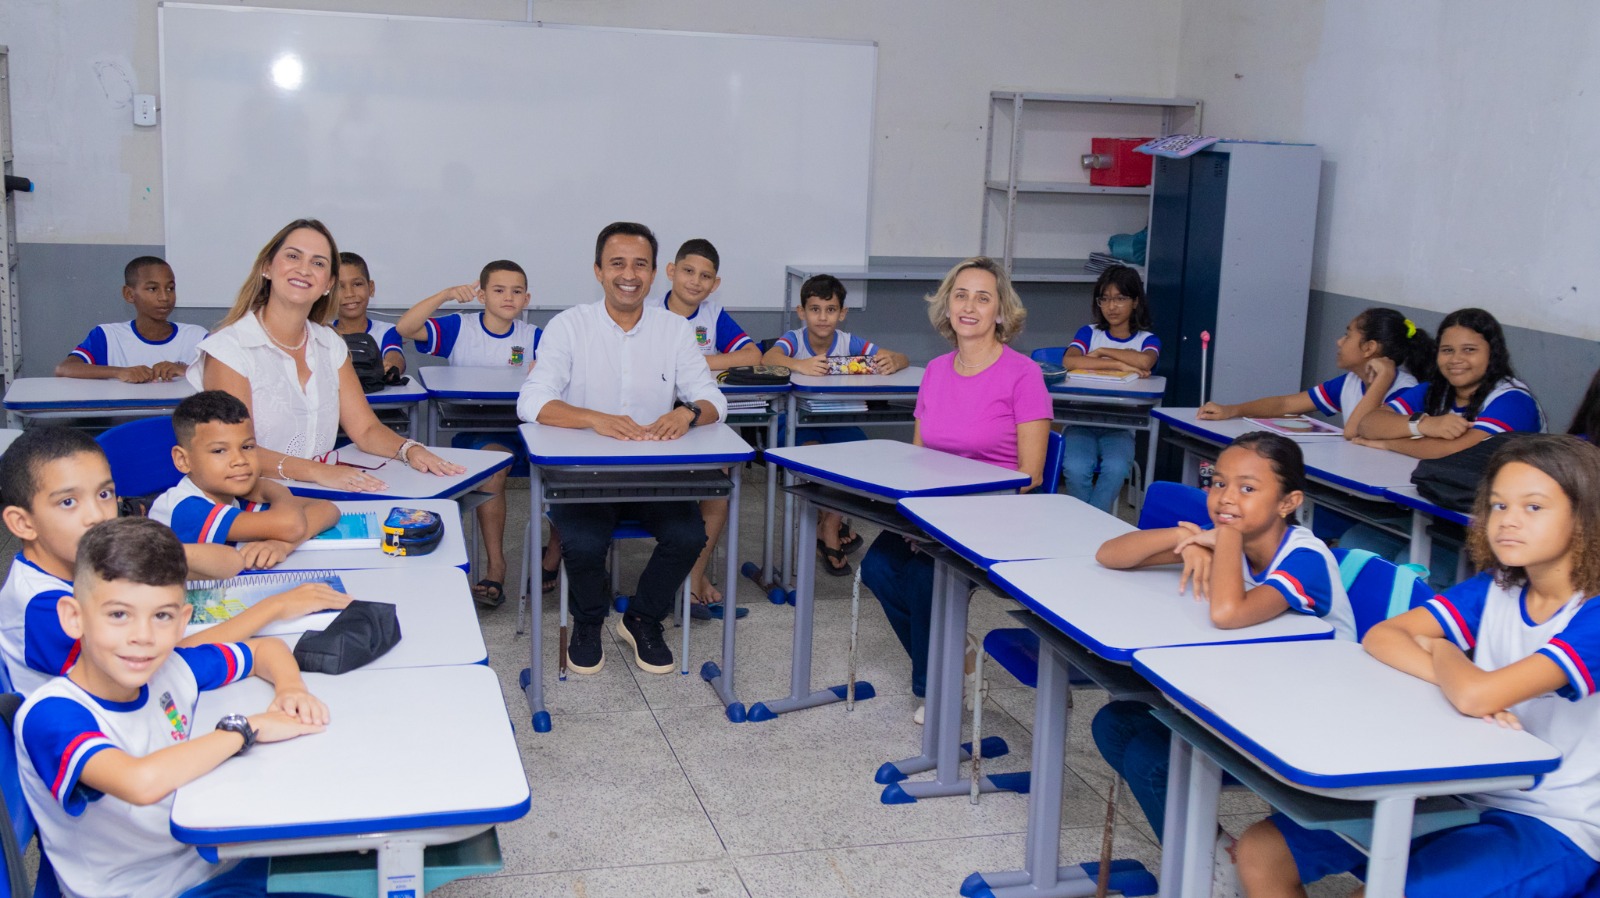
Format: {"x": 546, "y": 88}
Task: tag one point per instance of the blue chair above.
{"x": 1168, "y": 504}
{"x": 1378, "y": 588}
{"x": 1052, "y": 355}
{"x": 18, "y": 827}
{"x": 140, "y": 453}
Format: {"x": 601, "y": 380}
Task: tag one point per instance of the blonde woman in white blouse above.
{"x": 276, "y": 353}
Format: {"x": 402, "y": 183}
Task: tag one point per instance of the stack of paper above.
{"x": 746, "y": 406}
{"x": 834, "y": 406}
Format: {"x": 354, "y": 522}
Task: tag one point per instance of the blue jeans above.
{"x": 1087, "y": 450}
{"x": 903, "y": 582}
{"x": 1138, "y": 747}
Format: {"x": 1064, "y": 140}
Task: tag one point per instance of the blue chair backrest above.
{"x": 140, "y": 453}
{"x": 1053, "y": 453}
{"x": 1167, "y": 503}
{"x": 1379, "y": 589}
{"x": 1051, "y": 354}
{"x": 14, "y": 882}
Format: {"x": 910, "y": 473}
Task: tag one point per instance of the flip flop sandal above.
{"x": 848, "y": 544}
{"x": 548, "y": 580}
{"x": 492, "y": 595}
{"x": 831, "y": 555}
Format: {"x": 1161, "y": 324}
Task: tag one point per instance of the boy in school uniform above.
{"x": 805, "y": 350}
{"x": 496, "y": 337}
{"x": 354, "y": 293}
{"x": 222, "y": 498}
{"x": 693, "y": 274}
{"x": 624, "y": 368}
{"x": 147, "y": 348}
{"x": 104, "y": 746}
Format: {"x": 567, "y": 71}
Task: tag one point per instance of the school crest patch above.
{"x": 516, "y": 356}
{"x": 701, "y": 338}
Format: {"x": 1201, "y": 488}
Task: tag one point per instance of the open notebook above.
{"x": 216, "y": 601}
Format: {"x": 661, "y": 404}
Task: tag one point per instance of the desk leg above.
{"x": 433, "y": 423}
{"x": 414, "y": 420}
{"x": 800, "y": 694}
{"x": 941, "y": 733}
{"x": 1199, "y": 826}
{"x": 533, "y": 675}
{"x": 400, "y": 869}
{"x": 788, "y": 563}
{"x": 1391, "y": 846}
{"x": 767, "y": 579}
{"x": 721, "y": 678}
{"x": 1153, "y": 428}
{"x": 1041, "y": 877}
{"x": 1421, "y": 551}
{"x": 1173, "y": 834}
{"x": 1191, "y": 469}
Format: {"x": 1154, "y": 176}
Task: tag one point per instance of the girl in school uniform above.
{"x": 1252, "y": 565}
{"x": 1118, "y": 341}
{"x": 1519, "y": 646}
{"x": 1472, "y": 395}
{"x": 1378, "y": 346}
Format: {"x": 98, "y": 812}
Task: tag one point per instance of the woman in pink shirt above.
{"x": 984, "y": 401}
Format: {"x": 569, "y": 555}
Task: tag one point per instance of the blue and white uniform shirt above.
{"x": 1491, "y": 622}
{"x": 1509, "y": 408}
{"x": 31, "y": 639}
{"x": 196, "y": 517}
{"x": 796, "y": 345}
{"x": 1342, "y": 394}
{"x": 467, "y": 343}
{"x": 1089, "y": 338}
{"x": 99, "y": 844}
{"x": 120, "y": 345}
{"x": 387, "y": 338}
{"x": 1305, "y": 572}
{"x": 715, "y": 331}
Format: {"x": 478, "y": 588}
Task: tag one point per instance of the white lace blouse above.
{"x": 288, "y": 419}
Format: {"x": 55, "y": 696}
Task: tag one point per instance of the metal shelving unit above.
{"x": 1064, "y": 140}
{"x": 10, "y": 316}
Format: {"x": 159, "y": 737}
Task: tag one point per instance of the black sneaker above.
{"x": 650, "y": 650}
{"x": 584, "y": 655}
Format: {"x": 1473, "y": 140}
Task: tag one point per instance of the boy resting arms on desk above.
{"x": 103, "y": 748}
{"x": 147, "y": 348}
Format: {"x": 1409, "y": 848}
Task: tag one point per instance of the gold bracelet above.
{"x": 281, "y": 460}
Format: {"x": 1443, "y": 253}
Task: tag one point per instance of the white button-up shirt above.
{"x": 288, "y": 419}
{"x": 587, "y": 360}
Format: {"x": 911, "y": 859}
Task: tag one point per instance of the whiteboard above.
{"x": 431, "y": 146}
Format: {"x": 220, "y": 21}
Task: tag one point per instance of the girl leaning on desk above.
{"x": 275, "y": 351}
{"x": 984, "y": 401}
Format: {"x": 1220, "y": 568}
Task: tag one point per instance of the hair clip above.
{"x": 1411, "y": 329}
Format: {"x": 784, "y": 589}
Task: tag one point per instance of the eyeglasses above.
{"x": 332, "y": 458}
{"x": 1114, "y": 300}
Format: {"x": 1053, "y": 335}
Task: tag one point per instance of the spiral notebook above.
{"x": 355, "y": 530}
{"x": 215, "y": 601}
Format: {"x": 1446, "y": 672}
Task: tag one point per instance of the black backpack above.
{"x": 367, "y": 359}
{"x": 1452, "y": 481}
{"x": 755, "y": 376}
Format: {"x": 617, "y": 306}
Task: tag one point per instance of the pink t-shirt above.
{"x": 977, "y": 416}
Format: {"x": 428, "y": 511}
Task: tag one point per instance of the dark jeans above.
{"x": 903, "y": 582}
{"x": 1138, "y": 747}
{"x": 586, "y": 529}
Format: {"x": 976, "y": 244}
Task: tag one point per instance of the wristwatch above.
{"x": 238, "y": 723}
{"x": 694, "y": 411}
{"x": 1415, "y": 423}
{"x": 407, "y": 446}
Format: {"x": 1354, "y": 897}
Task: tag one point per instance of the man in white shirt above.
{"x": 631, "y": 373}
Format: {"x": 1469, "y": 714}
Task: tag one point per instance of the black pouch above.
{"x": 1452, "y": 481}
{"x": 410, "y": 532}
{"x": 362, "y": 633}
{"x": 755, "y": 376}
{"x": 367, "y": 359}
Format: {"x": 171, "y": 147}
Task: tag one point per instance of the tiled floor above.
{"x": 644, "y": 790}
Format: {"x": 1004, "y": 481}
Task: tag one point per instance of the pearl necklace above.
{"x": 962, "y": 364}
{"x": 304, "y": 336}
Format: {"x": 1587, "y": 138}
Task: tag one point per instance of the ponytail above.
{"x": 1400, "y": 340}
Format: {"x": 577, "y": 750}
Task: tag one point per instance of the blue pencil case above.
{"x": 410, "y": 532}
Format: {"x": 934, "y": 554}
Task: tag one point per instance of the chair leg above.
{"x": 977, "y": 729}
{"x": 561, "y": 618}
{"x": 683, "y": 624}
{"x": 1107, "y": 840}
{"x": 855, "y": 620}
{"x": 526, "y": 598}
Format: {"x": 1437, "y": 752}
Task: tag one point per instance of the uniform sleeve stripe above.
{"x": 1321, "y": 399}
{"x": 82, "y": 353}
{"x": 739, "y": 342}
{"x": 1294, "y": 586}
{"x": 430, "y": 343}
{"x": 239, "y": 660}
{"x": 1455, "y": 626}
{"x": 213, "y": 524}
{"x": 1572, "y": 663}
{"x": 869, "y": 348}
{"x": 72, "y": 657}
{"x": 1152, "y": 349}
{"x": 1400, "y": 405}
{"x": 1080, "y": 346}
{"x": 78, "y": 753}
{"x": 784, "y": 344}
{"x": 1492, "y": 425}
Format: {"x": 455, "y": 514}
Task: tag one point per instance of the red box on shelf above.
{"x": 1117, "y": 165}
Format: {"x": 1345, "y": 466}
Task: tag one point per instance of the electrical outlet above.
{"x": 144, "y": 110}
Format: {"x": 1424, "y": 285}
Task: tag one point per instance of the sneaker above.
{"x": 584, "y": 654}
{"x": 917, "y": 715}
{"x": 1225, "y": 870}
{"x": 650, "y": 650}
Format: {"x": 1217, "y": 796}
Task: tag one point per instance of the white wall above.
{"x": 1459, "y": 137}
{"x": 76, "y": 63}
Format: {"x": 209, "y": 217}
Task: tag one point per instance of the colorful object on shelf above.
{"x": 1112, "y": 162}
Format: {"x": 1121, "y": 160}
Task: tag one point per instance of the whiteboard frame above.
{"x": 780, "y": 279}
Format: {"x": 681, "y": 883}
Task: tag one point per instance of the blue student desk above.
{"x": 1095, "y": 619}
{"x": 583, "y": 466}
{"x": 982, "y": 531}
{"x": 413, "y": 757}
{"x": 438, "y": 620}
{"x": 405, "y": 482}
{"x": 30, "y": 399}
{"x": 1372, "y": 733}
{"x": 771, "y": 399}
{"x": 1124, "y": 406}
{"x": 899, "y": 388}
{"x": 407, "y": 397}
{"x": 471, "y": 399}
{"x": 838, "y": 476}
{"x": 451, "y": 551}
{"x": 1423, "y": 512}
